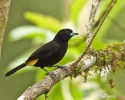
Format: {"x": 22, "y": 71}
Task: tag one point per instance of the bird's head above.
{"x": 64, "y": 35}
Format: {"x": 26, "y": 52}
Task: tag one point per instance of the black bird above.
{"x": 48, "y": 54}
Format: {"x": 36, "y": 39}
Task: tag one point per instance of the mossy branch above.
{"x": 111, "y": 58}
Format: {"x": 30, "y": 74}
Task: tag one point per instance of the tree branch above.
{"x": 104, "y": 58}
{"x": 95, "y": 33}
{"x": 4, "y": 9}
{"x": 91, "y": 20}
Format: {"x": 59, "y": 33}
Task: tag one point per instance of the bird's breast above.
{"x": 60, "y": 53}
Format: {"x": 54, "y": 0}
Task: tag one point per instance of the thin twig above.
{"x": 91, "y": 20}
{"x": 95, "y": 33}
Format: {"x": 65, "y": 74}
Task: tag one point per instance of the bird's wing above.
{"x": 46, "y": 50}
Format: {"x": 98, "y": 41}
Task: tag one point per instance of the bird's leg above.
{"x": 52, "y": 75}
{"x": 63, "y": 67}
{"x": 58, "y": 66}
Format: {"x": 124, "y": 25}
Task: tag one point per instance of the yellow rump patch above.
{"x": 32, "y": 62}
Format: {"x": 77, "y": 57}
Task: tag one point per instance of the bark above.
{"x": 4, "y": 9}
{"x": 106, "y": 60}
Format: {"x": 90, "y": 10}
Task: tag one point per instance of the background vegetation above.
{"x": 33, "y": 23}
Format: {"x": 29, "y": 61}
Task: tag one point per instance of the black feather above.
{"x": 50, "y": 53}
{"x": 15, "y": 69}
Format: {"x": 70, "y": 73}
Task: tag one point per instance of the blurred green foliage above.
{"x": 43, "y": 30}
{"x": 75, "y": 8}
{"x": 46, "y": 22}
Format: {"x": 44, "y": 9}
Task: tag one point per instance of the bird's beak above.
{"x": 73, "y": 33}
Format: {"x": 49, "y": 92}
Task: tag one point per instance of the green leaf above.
{"x": 30, "y": 32}
{"x": 47, "y": 22}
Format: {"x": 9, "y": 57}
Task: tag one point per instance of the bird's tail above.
{"x": 15, "y": 69}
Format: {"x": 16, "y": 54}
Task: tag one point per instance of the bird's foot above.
{"x": 48, "y": 73}
{"x": 52, "y": 75}
{"x": 63, "y": 67}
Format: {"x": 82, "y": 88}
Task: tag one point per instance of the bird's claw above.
{"x": 63, "y": 67}
{"x": 52, "y": 75}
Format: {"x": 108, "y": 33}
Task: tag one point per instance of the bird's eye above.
{"x": 67, "y": 32}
